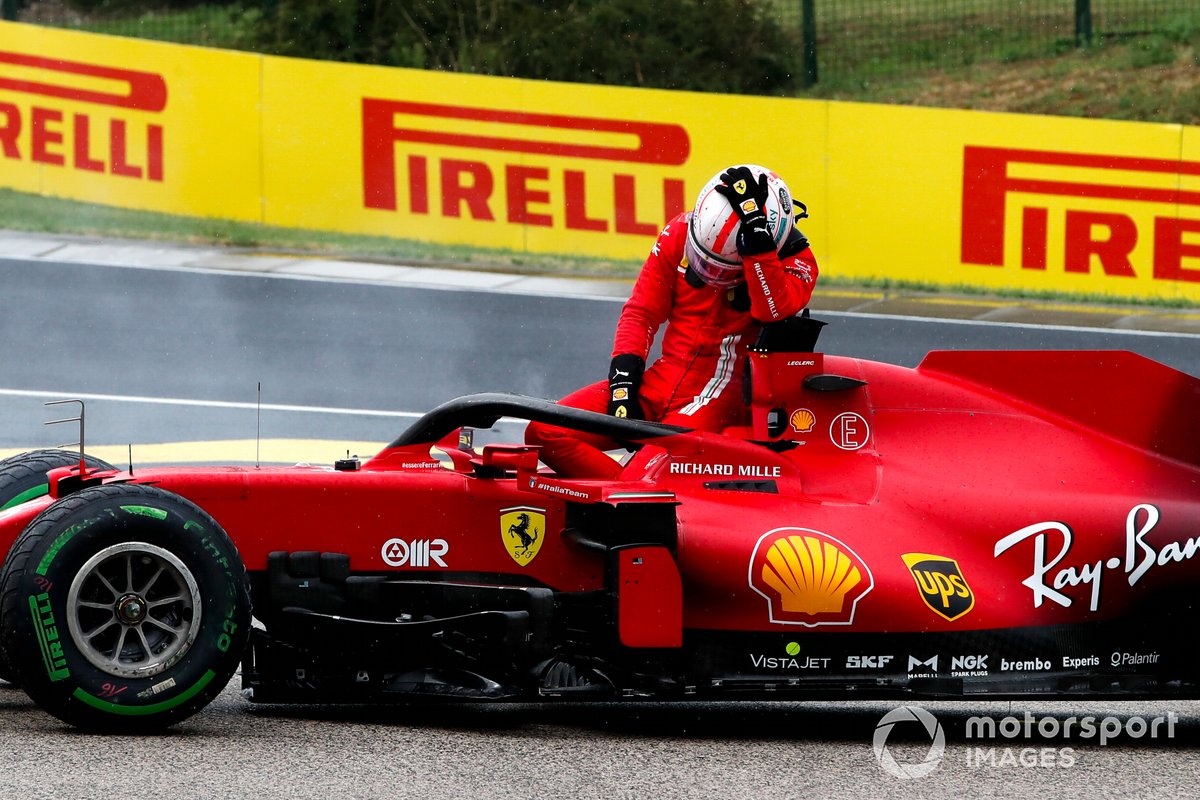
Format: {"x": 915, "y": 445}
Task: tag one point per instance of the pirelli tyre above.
{"x": 123, "y": 609}
{"x": 23, "y": 476}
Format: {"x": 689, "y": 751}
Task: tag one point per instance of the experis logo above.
{"x": 112, "y": 136}
{"x": 1101, "y": 231}
{"x": 548, "y": 175}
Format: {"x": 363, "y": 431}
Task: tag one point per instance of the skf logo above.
{"x": 521, "y": 190}
{"x": 1108, "y": 237}
{"x": 867, "y": 662}
{"x": 522, "y": 530}
{"x": 941, "y": 584}
{"x": 808, "y": 578}
{"x": 113, "y": 137}
{"x": 415, "y": 553}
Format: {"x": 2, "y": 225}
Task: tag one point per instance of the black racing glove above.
{"x": 624, "y": 381}
{"x": 748, "y": 197}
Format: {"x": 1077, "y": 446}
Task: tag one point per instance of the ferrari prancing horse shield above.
{"x": 523, "y": 529}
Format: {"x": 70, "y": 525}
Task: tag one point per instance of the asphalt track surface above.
{"x": 171, "y": 356}
{"x": 175, "y": 355}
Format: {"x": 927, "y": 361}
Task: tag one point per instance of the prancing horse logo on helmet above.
{"x": 522, "y": 530}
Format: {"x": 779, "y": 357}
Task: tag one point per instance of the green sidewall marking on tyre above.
{"x": 145, "y": 511}
{"x": 26, "y": 496}
{"x": 58, "y": 544}
{"x": 153, "y": 708}
{"x": 47, "y": 636}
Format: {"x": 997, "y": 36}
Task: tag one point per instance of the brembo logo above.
{"x": 581, "y": 177}
{"x": 1111, "y": 238}
{"x": 111, "y": 136}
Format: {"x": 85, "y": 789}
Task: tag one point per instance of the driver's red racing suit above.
{"x": 696, "y": 382}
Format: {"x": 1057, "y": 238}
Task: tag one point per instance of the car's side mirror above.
{"x": 511, "y": 457}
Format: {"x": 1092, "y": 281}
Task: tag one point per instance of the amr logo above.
{"x": 521, "y": 531}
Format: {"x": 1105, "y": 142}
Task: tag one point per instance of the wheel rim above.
{"x": 133, "y": 609}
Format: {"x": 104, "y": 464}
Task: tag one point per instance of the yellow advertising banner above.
{"x": 497, "y": 162}
{"x": 1006, "y": 201}
{"x": 129, "y": 123}
{"x": 953, "y": 198}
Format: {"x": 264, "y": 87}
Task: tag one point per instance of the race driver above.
{"x": 714, "y": 276}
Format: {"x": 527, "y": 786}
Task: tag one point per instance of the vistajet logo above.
{"x": 1120, "y": 244}
{"x": 114, "y": 135}
{"x": 521, "y": 190}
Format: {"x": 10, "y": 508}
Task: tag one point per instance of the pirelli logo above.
{"x": 521, "y": 167}
{"x": 1133, "y": 217}
{"x": 109, "y": 129}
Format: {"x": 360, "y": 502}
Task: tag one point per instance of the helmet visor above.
{"x": 712, "y": 269}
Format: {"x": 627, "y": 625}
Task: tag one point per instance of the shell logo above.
{"x": 808, "y": 578}
{"x": 803, "y": 420}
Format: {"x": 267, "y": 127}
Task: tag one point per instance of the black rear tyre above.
{"x": 23, "y": 476}
{"x": 123, "y": 608}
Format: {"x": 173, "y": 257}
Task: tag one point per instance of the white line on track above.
{"x": 175, "y": 401}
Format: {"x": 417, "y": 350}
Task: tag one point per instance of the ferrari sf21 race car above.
{"x": 988, "y": 524}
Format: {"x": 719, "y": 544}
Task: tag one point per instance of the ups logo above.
{"x": 941, "y": 584}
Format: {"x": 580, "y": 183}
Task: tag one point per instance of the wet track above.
{"x": 176, "y": 355}
{"x": 703, "y": 750}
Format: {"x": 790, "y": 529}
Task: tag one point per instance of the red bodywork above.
{"x": 981, "y": 491}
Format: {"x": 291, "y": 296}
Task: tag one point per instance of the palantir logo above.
{"x": 888, "y": 760}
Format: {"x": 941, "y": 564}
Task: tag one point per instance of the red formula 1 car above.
{"x": 987, "y": 524}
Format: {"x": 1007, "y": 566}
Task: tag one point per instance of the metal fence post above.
{"x": 809, "y": 28}
{"x": 1083, "y": 22}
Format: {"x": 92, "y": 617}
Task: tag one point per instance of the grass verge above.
{"x": 35, "y": 213}
{"x": 20, "y": 211}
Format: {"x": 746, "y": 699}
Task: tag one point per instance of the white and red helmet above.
{"x": 711, "y": 246}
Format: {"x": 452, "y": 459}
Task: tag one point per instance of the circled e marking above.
{"x": 849, "y": 431}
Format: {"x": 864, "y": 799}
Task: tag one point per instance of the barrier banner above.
{"x": 1007, "y": 201}
{"x": 497, "y": 162}
{"x": 953, "y": 198}
{"x": 129, "y": 123}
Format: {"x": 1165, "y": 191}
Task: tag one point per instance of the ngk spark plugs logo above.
{"x": 107, "y": 124}
{"x": 1081, "y": 213}
{"x": 496, "y": 165}
{"x": 808, "y": 578}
